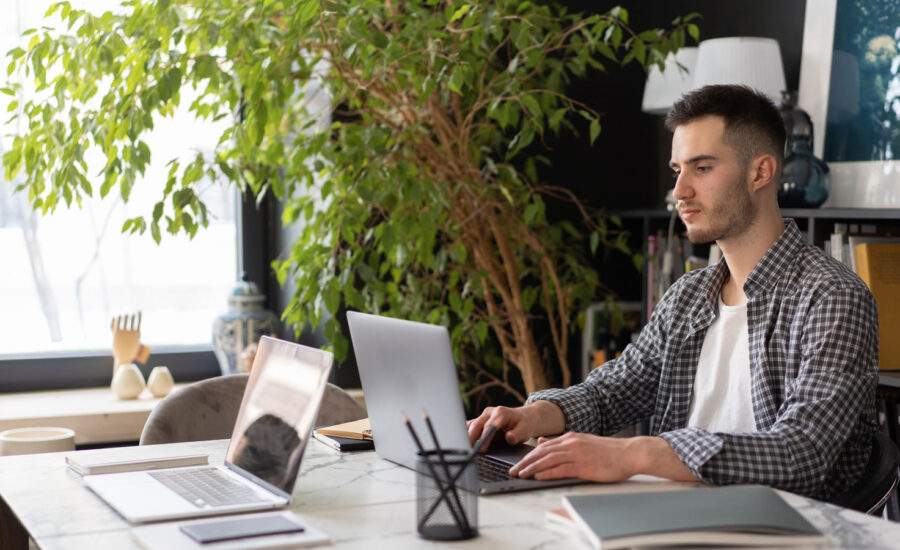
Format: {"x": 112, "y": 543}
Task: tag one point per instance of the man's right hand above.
{"x": 520, "y": 424}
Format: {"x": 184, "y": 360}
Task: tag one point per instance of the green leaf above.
{"x": 531, "y": 103}
{"x": 595, "y": 130}
{"x": 694, "y": 31}
{"x": 460, "y": 12}
{"x": 556, "y": 118}
{"x": 379, "y": 39}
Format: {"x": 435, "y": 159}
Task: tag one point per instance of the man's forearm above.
{"x": 546, "y": 417}
{"x": 654, "y": 456}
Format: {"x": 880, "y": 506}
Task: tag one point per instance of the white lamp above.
{"x": 664, "y": 88}
{"x": 753, "y": 62}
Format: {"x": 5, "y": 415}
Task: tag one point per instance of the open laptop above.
{"x": 406, "y": 367}
{"x": 274, "y": 423}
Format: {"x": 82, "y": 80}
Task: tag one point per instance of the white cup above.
{"x": 23, "y": 441}
{"x": 128, "y": 382}
{"x": 160, "y": 381}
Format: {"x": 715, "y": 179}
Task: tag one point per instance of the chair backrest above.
{"x": 208, "y": 409}
{"x": 878, "y": 481}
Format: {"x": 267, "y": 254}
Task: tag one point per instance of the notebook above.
{"x": 405, "y": 366}
{"x": 274, "y": 423}
{"x": 744, "y": 516}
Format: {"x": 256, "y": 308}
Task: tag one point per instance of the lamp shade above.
{"x": 753, "y": 62}
{"x": 664, "y": 88}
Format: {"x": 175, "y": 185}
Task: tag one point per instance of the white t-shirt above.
{"x": 721, "y": 400}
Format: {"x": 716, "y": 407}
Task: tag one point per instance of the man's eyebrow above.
{"x": 693, "y": 160}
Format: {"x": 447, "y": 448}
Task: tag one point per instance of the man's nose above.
{"x": 683, "y": 188}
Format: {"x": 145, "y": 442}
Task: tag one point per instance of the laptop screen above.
{"x": 280, "y": 405}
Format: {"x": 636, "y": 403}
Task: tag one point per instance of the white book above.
{"x": 90, "y": 466}
{"x": 837, "y": 246}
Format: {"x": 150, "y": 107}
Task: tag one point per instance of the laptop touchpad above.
{"x": 503, "y": 451}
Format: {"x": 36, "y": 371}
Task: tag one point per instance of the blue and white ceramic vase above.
{"x": 243, "y": 324}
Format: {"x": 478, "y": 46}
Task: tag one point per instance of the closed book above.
{"x": 878, "y": 264}
{"x": 748, "y": 515}
{"x": 87, "y": 466}
{"x": 854, "y": 240}
{"x": 357, "y": 429}
{"x": 345, "y": 444}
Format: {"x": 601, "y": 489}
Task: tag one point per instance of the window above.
{"x": 65, "y": 275}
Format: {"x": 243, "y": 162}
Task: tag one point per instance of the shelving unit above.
{"x": 816, "y": 223}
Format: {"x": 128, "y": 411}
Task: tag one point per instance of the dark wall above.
{"x": 627, "y": 166}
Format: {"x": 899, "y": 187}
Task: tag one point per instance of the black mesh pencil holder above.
{"x": 444, "y": 510}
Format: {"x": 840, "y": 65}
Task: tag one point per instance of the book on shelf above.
{"x": 746, "y": 516}
{"x": 853, "y": 240}
{"x": 357, "y": 429}
{"x": 878, "y": 264}
{"x": 841, "y": 244}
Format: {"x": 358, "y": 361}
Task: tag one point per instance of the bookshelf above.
{"x": 816, "y": 223}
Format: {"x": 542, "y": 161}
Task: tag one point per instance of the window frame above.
{"x": 44, "y": 371}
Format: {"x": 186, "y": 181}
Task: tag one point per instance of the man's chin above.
{"x": 699, "y": 236}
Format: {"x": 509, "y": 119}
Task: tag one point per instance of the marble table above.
{"x": 360, "y": 500}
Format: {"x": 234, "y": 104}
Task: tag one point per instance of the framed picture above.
{"x": 850, "y": 86}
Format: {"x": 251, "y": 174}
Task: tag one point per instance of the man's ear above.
{"x": 762, "y": 171}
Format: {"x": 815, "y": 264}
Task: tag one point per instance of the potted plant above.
{"x": 419, "y": 197}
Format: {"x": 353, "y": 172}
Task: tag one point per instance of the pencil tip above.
{"x": 405, "y": 418}
{"x": 424, "y": 413}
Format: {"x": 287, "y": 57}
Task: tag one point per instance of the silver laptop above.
{"x": 274, "y": 423}
{"x": 406, "y": 367}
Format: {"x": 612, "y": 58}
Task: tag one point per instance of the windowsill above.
{"x": 93, "y": 369}
{"x": 95, "y": 414}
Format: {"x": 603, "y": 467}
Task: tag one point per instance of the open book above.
{"x": 357, "y": 429}
{"x": 748, "y": 515}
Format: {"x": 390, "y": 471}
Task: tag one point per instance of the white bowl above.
{"x": 23, "y": 441}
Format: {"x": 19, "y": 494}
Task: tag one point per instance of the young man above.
{"x": 758, "y": 369}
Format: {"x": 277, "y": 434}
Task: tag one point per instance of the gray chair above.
{"x": 879, "y": 480}
{"x": 208, "y": 409}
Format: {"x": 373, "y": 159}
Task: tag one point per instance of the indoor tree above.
{"x": 420, "y": 197}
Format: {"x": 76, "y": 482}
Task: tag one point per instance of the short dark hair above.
{"x": 753, "y": 125}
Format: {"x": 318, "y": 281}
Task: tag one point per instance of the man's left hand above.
{"x": 604, "y": 459}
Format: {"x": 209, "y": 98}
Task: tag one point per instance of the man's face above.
{"x": 711, "y": 186}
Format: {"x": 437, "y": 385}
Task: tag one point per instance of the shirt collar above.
{"x": 766, "y": 272}
{"x": 775, "y": 261}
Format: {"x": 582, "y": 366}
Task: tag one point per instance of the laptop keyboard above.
{"x": 490, "y": 469}
{"x": 204, "y": 487}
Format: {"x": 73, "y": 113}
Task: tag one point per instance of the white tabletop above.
{"x": 357, "y": 498}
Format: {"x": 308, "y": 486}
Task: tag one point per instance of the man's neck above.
{"x": 743, "y": 252}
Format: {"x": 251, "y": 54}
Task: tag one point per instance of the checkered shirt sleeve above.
{"x": 620, "y": 392}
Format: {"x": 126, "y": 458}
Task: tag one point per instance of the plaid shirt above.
{"x": 813, "y": 331}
